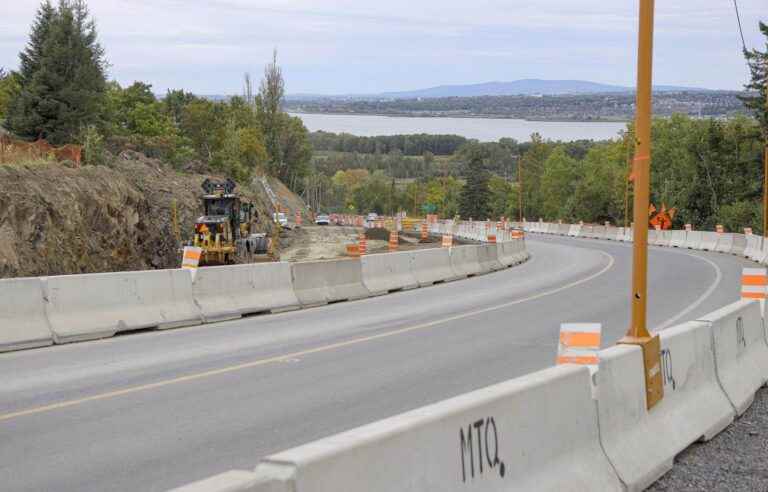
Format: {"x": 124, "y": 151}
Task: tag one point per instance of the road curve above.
{"x": 155, "y": 410}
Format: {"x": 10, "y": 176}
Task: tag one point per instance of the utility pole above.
{"x": 638, "y": 333}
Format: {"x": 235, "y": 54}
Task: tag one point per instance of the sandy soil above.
{"x": 327, "y": 242}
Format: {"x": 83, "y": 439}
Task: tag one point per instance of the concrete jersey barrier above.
{"x": 488, "y": 258}
{"x": 761, "y": 258}
{"x": 512, "y": 252}
{"x": 753, "y": 246}
{"x": 739, "y": 244}
{"x": 538, "y": 432}
{"x": 598, "y": 232}
{"x": 231, "y": 481}
{"x": 652, "y": 236}
{"x": 708, "y": 241}
{"x": 431, "y": 265}
{"x": 663, "y": 238}
{"x": 676, "y": 239}
{"x": 642, "y": 444}
{"x": 464, "y": 261}
{"x": 228, "y": 292}
{"x": 91, "y": 306}
{"x": 740, "y": 349}
{"x": 724, "y": 243}
{"x": 693, "y": 240}
{"x": 574, "y": 230}
{"x": 388, "y": 272}
{"x": 320, "y": 282}
{"x": 23, "y": 323}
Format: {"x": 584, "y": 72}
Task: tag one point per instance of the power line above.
{"x": 741, "y": 31}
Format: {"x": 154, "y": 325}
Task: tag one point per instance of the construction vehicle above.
{"x": 225, "y": 231}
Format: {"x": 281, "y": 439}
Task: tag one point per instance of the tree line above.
{"x": 412, "y": 145}
{"x": 709, "y": 170}
{"x": 61, "y": 93}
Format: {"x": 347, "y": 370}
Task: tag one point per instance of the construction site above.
{"x": 138, "y": 214}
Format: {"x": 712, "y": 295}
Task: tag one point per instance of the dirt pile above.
{"x": 58, "y": 220}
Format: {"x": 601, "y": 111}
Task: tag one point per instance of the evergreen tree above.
{"x": 62, "y": 75}
{"x": 473, "y": 201}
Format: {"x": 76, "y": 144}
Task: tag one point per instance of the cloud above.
{"x": 341, "y": 46}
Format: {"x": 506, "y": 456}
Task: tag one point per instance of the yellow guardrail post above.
{"x": 638, "y": 333}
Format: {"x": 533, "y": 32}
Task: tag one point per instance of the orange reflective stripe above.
{"x": 581, "y": 339}
{"x": 578, "y": 359}
{"x": 754, "y": 280}
{"x": 192, "y": 255}
{"x": 753, "y": 295}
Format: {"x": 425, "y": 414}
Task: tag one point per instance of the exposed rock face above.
{"x": 57, "y": 220}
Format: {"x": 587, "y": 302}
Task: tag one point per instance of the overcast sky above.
{"x": 366, "y": 46}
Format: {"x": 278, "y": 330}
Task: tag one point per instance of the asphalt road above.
{"x": 154, "y": 410}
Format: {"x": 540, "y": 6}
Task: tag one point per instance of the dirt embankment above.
{"x": 58, "y": 220}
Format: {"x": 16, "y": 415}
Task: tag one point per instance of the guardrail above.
{"x": 749, "y": 246}
{"x": 556, "y": 429}
{"x": 36, "y": 312}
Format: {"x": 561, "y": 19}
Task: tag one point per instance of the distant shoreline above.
{"x": 466, "y": 116}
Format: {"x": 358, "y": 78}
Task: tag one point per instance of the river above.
{"x": 483, "y": 129}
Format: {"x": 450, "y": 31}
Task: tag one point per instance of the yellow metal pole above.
{"x": 638, "y": 332}
{"x": 642, "y": 170}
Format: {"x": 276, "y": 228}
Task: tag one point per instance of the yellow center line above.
{"x": 294, "y": 355}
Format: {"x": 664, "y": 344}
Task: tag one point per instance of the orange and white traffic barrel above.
{"x": 362, "y": 243}
{"x": 754, "y": 284}
{"x": 393, "y": 241}
{"x": 191, "y": 259}
{"x": 353, "y": 250}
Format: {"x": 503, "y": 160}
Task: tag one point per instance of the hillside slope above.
{"x": 57, "y": 220}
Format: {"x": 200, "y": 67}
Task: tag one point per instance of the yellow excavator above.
{"x": 226, "y": 230}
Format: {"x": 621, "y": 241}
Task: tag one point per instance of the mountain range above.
{"x": 523, "y": 87}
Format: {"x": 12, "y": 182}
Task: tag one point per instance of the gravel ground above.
{"x": 327, "y": 242}
{"x": 735, "y": 460}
